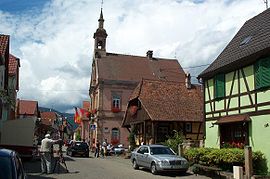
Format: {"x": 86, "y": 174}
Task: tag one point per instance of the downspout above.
{"x": 201, "y": 81}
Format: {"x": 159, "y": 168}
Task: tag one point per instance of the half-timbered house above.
{"x": 237, "y": 89}
{"x": 157, "y": 108}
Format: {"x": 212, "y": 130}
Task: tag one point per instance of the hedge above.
{"x": 226, "y": 158}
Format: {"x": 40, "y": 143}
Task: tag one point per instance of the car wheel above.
{"x": 135, "y": 165}
{"x": 153, "y": 168}
{"x": 71, "y": 154}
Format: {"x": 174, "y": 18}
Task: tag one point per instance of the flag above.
{"x": 79, "y": 114}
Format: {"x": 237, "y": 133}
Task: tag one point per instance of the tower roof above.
{"x": 101, "y": 16}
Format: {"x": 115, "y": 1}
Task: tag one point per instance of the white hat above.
{"x": 47, "y": 136}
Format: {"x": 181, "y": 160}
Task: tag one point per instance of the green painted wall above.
{"x": 259, "y": 135}
{"x": 259, "y": 132}
{"x": 219, "y": 105}
{"x": 207, "y": 107}
{"x": 263, "y": 96}
{"x": 229, "y": 81}
{"x": 244, "y": 100}
{"x": 212, "y": 139}
{"x": 234, "y": 103}
{"x": 249, "y": 73}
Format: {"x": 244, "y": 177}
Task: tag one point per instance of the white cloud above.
{"x": 56, "y": 45}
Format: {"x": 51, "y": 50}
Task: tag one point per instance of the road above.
{"x": 98, "y": 168}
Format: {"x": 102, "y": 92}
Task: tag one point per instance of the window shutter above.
{"x": 219, "y": 86}
{"x": 265, "y": 72}
{"x": 257, "y": 75}
{"x": 262, "y": 73}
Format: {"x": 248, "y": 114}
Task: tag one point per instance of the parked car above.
{"x": 158, "y": 158}
{"x": 11, "y": 165}
{"x": 78, "y": 148}
{"x": 117, "y": 150}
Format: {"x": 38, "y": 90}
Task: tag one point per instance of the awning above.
{"x": 233, "y": 118}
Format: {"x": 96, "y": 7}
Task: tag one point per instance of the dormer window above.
{"x": 245, "y": 41}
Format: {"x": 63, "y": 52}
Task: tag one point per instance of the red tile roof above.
{"x": 233, "y": 118}
{"x": 4, "y": 44}
{"x": 48, "y": 118}
{"x": 134, "y": 68}
{"x": 27, "y": 107}
{"x": 168, "y": 101}
{"x": 13, "y": 65}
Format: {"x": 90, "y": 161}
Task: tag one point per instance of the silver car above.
{"x": 158, "y": 158}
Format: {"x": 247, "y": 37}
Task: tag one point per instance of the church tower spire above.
{"x": 100, "y": 38}
{"x": 101, "y": 20}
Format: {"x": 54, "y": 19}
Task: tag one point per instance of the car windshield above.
{"x": 5, "y": 168}
{"x": 161, "y": 151}
{"x": 81, "y": 144}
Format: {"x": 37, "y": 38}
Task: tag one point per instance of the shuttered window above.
{"x": 219, "y": 86}
{"x": 262, "y": 73}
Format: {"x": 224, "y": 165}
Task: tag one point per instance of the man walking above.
{"x": 46, "y": 154}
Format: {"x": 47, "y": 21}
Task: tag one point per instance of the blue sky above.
{"x": 54, "y": 39}
{"x": 22, "y": 6}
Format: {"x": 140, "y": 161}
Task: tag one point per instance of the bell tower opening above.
{"x": 99, "y": 45}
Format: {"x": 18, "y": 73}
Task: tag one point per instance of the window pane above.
{"x": 116, "y": 102}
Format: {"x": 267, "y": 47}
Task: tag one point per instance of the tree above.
{"x": 131, "y": 138}
{"x": 175, "y": 140}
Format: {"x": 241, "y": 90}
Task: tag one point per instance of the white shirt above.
{"x": 46, "y": 145}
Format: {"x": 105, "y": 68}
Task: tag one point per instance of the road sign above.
{"x": 92, "y": 127}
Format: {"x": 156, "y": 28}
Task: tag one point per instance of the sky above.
{"x": 54, "y": 38}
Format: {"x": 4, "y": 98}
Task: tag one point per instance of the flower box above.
{"x": 116, "y": 110}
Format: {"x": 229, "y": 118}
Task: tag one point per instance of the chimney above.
{"x": 187, "y": 81}
{"x": 149, "y": 54}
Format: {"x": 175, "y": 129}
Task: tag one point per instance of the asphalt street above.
{"x": 113, "y": 167}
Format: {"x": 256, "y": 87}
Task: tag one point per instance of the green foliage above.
{"x": 259, "y": 162}
{"x": 131, "y": 139}
{"x": 225, "y": 158}
{"x": 6, "y": 98}
{"x": 78, "y": 135}
{"x": 174, "y": 141}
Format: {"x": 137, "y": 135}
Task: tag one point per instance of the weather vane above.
{"x": 265, "y": 1}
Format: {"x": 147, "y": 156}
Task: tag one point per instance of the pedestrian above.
{"x": 104, "y": 147}
{"x": 46, "y": 154}
{"x": 97, "y": 149}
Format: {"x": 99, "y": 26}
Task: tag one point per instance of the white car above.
{"x": 158, "y": 158}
